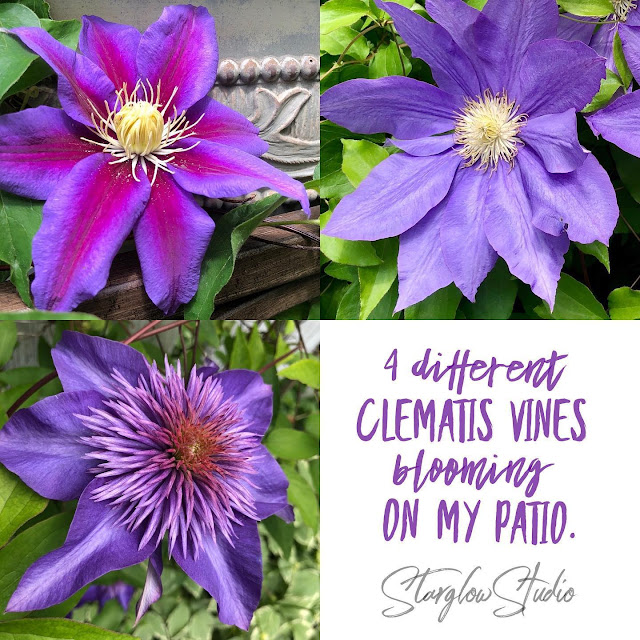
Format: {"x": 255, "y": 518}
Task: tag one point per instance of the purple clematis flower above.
{"x": 492, "y": 165}
{"x": 149, "y": 455}
{"x": 102, "y": 593}
{"x": 136, "y": 134}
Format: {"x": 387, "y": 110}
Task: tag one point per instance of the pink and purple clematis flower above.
{"x": 490, "y": 164}
{"x": 149, "y": 456}
{"x": 137, "y": 134}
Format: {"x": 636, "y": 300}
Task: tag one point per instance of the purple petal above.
{"x": 81, "y": 83}
{"x": 465, "y": 248}
{"x": 619, "y": 123}
{"x": 254, "y": 397}
{"x": 532, "y": 255}
{"x": 112, "y": 47}
{"x": 152, "y": 586}
{"x": 456, "y": 16}
{"x": 397, "y": 193}
{"x": 421, "y": 266}
{"x": 574, "y": 27}
{"x": 403, "y": 107}
{"x": 602, "y": 44}
{"x": 431, "y": 146}
{"x": 554, "y": 138}
{"x": 582, "y": 203}
{"x": 171, "y": 236}
{"x": 38, "y": 148}
{"x": 42, "y": 445}
{"x": 85, "y": 221}
{"x": 558, "y": 75}
{"x": 270, "y": 495}
{"x": 451, "y": 68}
{"x": 218, "y": 171}
{"x": 630, "y": 37}
{"x": 95, "y": 546}
{"x": 231, "y": 574}
{"x": 223, "y": 125}
{"x": 85, "y": 362}
{"x": 180, "y": 50}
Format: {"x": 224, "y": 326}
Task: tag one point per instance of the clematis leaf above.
{"x": 302, "y": 496}
{"x": 336, "y": 43}
{"x": 389, "y": 61}
{"x": 359, "y": 157}
{"x": 598, "y": 251}
{"x": 574, "y": 301}
{"x": 291, "y": 444}
{"x": 217, "y": 267}
{"x": 441, "y": 305}
{"x": 306, "y": 371}
{"x": 48, "y": 628}
{"x": 349, "y": 305}
{"x": 39, "y": 7}
{"x": 19, "y": 220}
{"x": 18, "y": 504}
{"x": 608, "y": 87}
{"x": 8, "y": 339}
{"x": 376, "y": 281}
{"x": 621, "y": 61}
{"x": 624, "y": 304}
{"x": 597, "y": 8}
{"x": 495, "y": 297}
{"x": 341, "y": 13}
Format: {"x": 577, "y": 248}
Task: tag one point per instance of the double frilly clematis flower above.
{"x": 149, "y": 456}
{"x": 490, "y": 164}
{"x": 136, "y": 136}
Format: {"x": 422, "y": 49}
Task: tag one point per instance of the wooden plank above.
{"x": 260, "y": 267}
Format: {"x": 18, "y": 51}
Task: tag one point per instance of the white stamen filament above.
{"x": 487, "y": 130}
{"x": 621, "y": 9}
{"x": 136, "y": 130}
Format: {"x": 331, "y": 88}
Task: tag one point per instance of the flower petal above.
{"x": 582, "y": 203}
{"x": 152, "y": 586}
{"x": 218, "y": 171}
{"x": 171, "y": 236}
{"x": 180, "y": 50}
{"x": 532, "y": 255}
{"x": 430, "y": 146}
{"x": 397, "y": 193}
{"x": 85, "y": 362}
{"x": 271, "y": 493}
{"x": 602, "y": 44}
{"x": 85, "y": 221}
{"x": 554, "y": 137}
{"x": 232, "y": 574}
{"x": 421, "y": 266}
{"x": 404, "y": 107}
{"x": 81, "y": 83}
{"x": 42, "y": 445}
{"x": 572, "y": 27}
{"x": 112, "y": 47}
{"x": 456, "y": 16}
{"x": 223, "y": 125}
{"x": 95, "y": 546}
{"x": 38, "y": 148}
{"x": 465, "y": 248}
{"x": 451, "y": 68}
{"x": 557, "y": 75}
{"x": 249, "y": 391}
{"x": 630, "y": 37}
{"x": 619, "y": 123}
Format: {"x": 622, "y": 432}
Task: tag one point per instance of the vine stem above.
{"x": 142, "y": 333}
{"x": 593, "y": 22}
{"x": 273, "y": 363}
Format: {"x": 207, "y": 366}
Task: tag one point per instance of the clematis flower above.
{"x": 137, "y": 134}
{"x": 491, "y": 163}
{"x": 102, "y": 593}
{"x": 149, "y": 456}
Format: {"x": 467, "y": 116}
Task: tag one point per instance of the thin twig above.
{"x": 585, "y": 274}
{"x": 184, "y": 350}
{"x": 633, "y": 231}
{"x": 273, "y": 363}
{"x": 30, "y": 391}
{"x": 142, "y": 331}
{"x": 195, "y": 344}
{"x": 167, "y": 327}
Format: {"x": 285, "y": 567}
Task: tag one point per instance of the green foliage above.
{"x": 624, "y": 304}
{"x": 601, "y": 8}
{"x": 50, "y": 629}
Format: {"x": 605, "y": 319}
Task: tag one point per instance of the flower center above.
{"x": 487, "y": 130}
{"x": 622, "y": 8}
{"x": 138, "y": 130}
{"x": 193, "y": 448}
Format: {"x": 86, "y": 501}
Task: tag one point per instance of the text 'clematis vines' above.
{"x": 491, "y": 163}
{"x": 137, "y": 134}
{"x": 149, "y": 456}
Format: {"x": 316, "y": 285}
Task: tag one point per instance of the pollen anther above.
{"x": 621, "y": 9}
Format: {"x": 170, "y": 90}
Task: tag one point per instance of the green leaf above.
{"x": 39, "y": 7}
{"x": 621, "y": 61}
{"x": 281, "y": 533}
{"x": 574, "y": 301}
{"x": 359, "y": 157}
{"x": 389, "y": 61}
{"x": 46, "y": 315}
{"x": 302, "y": 496}
{"x": 8, "y": 339}
{"x": 15, "y": 58}
{"x": 597, "y": 250}
{"x": 353, "y": 252}
{"x": 19, "y": 220}
{"x": 291, "y": 444}
{"x": 17, "y": 556}
{"x": 340, "y": 13}
{"x": 441, "y": 305}
{"x": 624, "y": 304}
{"x": 495, "y": 297}
{"x": 22, "y": 375}
{"x": 376, "y": 281}
{"x": 608, "y": 87}
{"x": 597, "y": 8}
{"x": 231, "y": 233}
{"x": 18, "y": 504}
{"x": 55, "y": 629}
{"x": 306, "y": 371}
{"x": 240, "y": 358}
{"x": 178, "y": 618}
{"x": 336, "y": 42}
{"x": 256, "y": 348}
